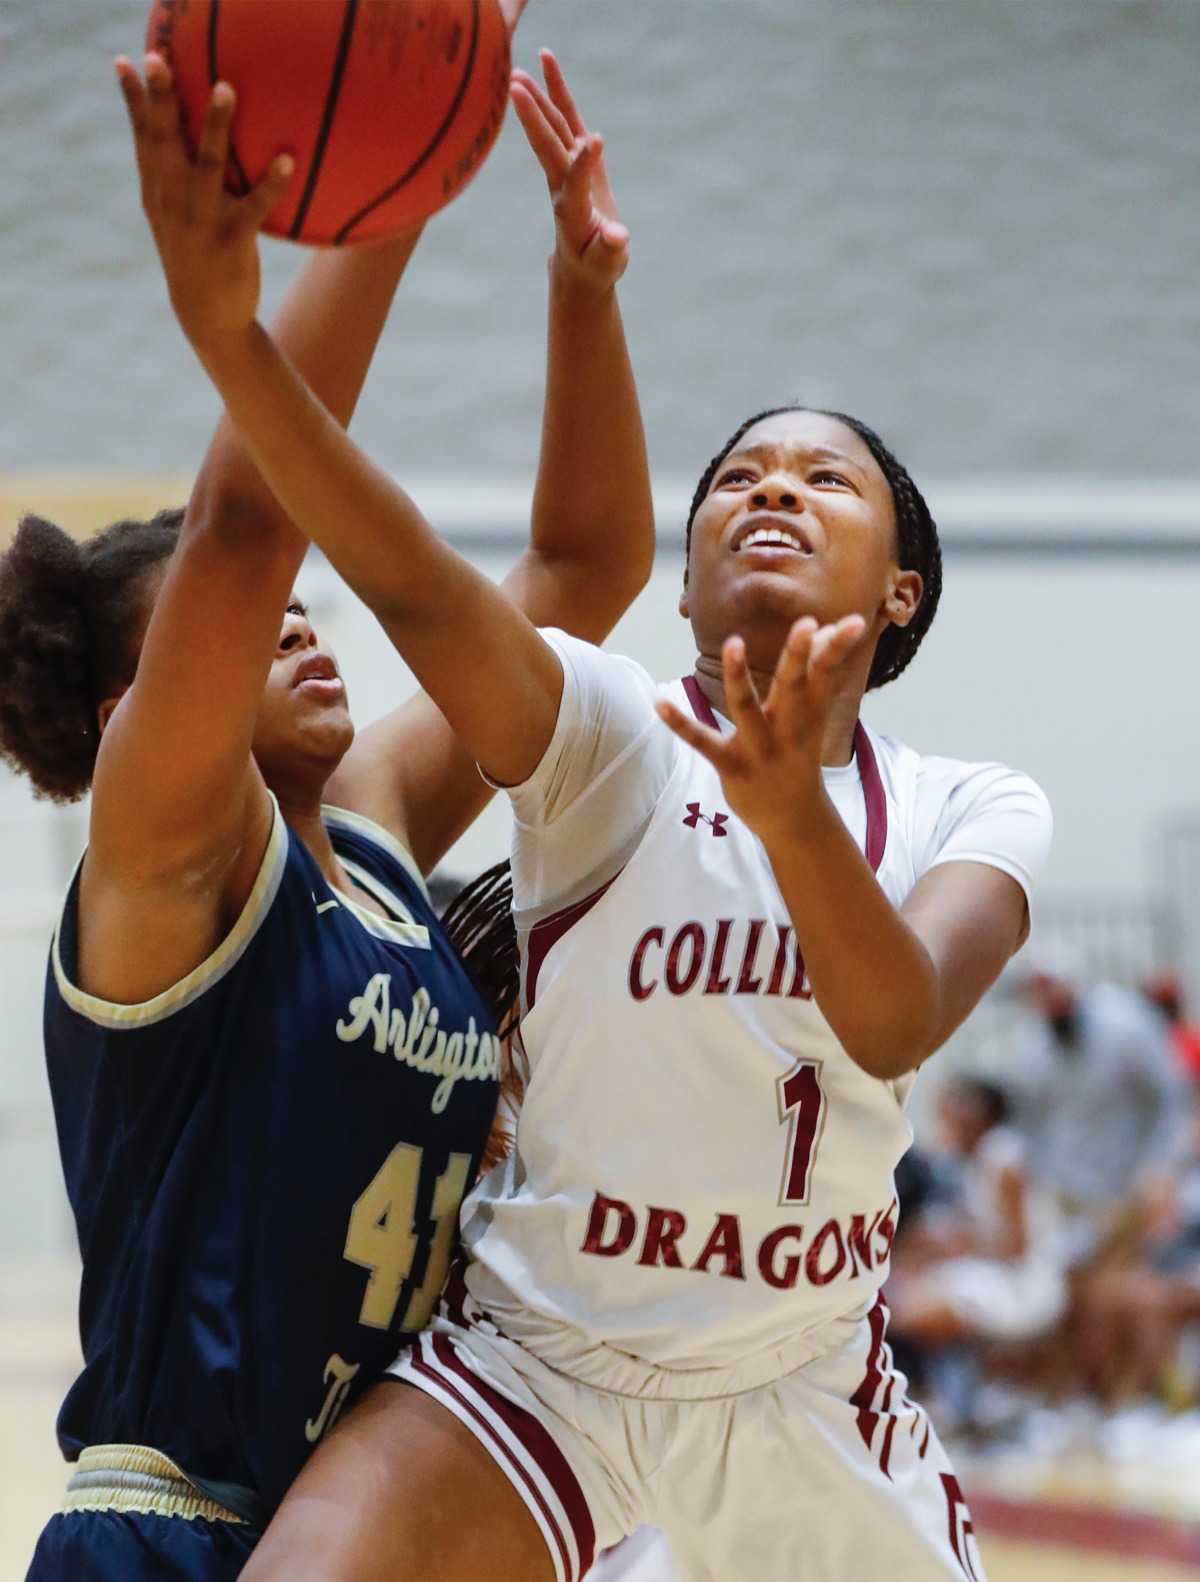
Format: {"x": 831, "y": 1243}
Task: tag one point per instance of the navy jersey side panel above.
{"x": 266, "y": 1164}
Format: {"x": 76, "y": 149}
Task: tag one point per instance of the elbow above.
{"x": 893, "y": 1048}
{"x": 630, "y": 579}
{"x": 241, "y": 522}
{"x": 625, "y": 576}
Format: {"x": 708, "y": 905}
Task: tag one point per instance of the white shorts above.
{"x": 829, "y": 1473}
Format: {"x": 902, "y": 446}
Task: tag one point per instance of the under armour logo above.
{"x": 716, "y": 823}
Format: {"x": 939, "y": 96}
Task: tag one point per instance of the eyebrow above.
{"x": 816, "y": 453}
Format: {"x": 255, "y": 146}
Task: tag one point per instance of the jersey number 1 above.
{"x": 384, "y": 1236}
{"x": 802, "y": 1106}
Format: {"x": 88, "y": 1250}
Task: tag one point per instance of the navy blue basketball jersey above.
{"x": 266, "y": 1163}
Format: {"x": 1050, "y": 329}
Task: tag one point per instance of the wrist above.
{"x": 799, "y": 825}
{"x": 221, "y": 349}
{"x": 572, "y": 282}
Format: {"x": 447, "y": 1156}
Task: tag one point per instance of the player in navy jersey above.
{"x": 273, "y": 1075}
{"x": 740, "y": 942}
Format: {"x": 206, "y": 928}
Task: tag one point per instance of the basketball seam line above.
{"x": 438, "y": 137}
{"x": 331, "y": 102}
{"x": 213, "y": 78}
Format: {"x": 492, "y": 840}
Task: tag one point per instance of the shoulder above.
{"x": 948, "y": 785}
{"x": 590, "y": 668}
{"x": 281, "y": 876}
{"x": 961, "y": 811}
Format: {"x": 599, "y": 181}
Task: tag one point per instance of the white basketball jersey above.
{"x": 701, "y": 1191}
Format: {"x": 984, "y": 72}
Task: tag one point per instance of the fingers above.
{"x": 546, "y": 105}
{"x": 164, "y": 129}
{"x": 832, "y": 643}
{"x": 560, "y": 94}
{"x": 708, "y": 743}
{"x": 741, "y": 698}
{"x": 791, "y": 668}
{"x": 574, "y": 200}
{"x": 255, "y": 207}
{"x": 133, "y": 91}
{"x": 553, "y": 154}
{"x": 806, "y": 666}
{"x": 212, "y": 154}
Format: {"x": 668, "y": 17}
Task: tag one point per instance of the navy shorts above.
{"x": 137, "y": 1546}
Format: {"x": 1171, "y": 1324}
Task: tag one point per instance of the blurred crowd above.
{"x": 1046, "y": 1277}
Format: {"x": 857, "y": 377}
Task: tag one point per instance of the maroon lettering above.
{"x": 680, "y": 981}
{"x": 858, "y": 1242}
{"x": 716, "y": 983}
{"x": 637, "y": 987}
{"x": 725, "y": 1241}
{"x": 664, "y": 1227}
{"x": 799, "y": 989}
{"x": 747, "y": 983}
{"x": 801, "y": 1097}
{"x": 780, "y": 966}
{"x": 784, "y": 1276}
{"x": 626, "y": 1227}
{"x": 887, "y": 1231}
{"x": 812, "y": 1259}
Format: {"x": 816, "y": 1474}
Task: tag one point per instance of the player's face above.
{"x": 303, "y": 727}
{"x": 798, "y": 520}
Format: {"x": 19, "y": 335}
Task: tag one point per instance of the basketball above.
{"x": 389, "y": 107}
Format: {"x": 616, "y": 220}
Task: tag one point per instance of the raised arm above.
{"x": 592, "y": 535}
{"x": 180, "y": 815}
{"x": 893, "y": 983}
{"x": 479, "y": 658}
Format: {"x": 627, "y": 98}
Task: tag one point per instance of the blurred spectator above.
{"x": 1100, "y": 1100}
{"x": 990, "y": 1267}
{"x": 1165, "y": 993}
{"x": 1137, "y": 1305}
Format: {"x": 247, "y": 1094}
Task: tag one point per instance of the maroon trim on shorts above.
{"x": 541, "y": 1447}
{"x": 961, "y": 1527}
{"x": 864, "y": 1396}
{"x": 419, "y": 1365}
{"x": 545, "y": 935}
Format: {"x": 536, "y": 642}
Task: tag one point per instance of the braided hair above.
{"x": 919, "y": 549}
{"x": 70, "y": 617}
{"x": 479, "y": 924}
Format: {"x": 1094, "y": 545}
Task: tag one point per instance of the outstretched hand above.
{"x": 774, "y": 752}
{"x": 207, "y": 239}
{"x": 592, "y": 244}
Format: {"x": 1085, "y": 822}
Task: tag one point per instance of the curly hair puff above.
{"x": 70, "y": 617}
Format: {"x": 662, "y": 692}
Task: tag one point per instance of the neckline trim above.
{"x": 868, "y": 770}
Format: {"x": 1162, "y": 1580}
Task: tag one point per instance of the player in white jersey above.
{"x": 739, "y": 941}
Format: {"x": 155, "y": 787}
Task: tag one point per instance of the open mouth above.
{"x": 773, "y": 533}
{"x": 319, "y": 675}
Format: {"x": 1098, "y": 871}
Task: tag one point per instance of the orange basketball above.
{"x": 389, "y": 107}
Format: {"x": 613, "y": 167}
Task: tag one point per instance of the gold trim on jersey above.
{"x": 136, "y": 1478}
{"x": 107, "y": 1013}
{"x": 359, "y": 825}
{"x": 401, "y": 928}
